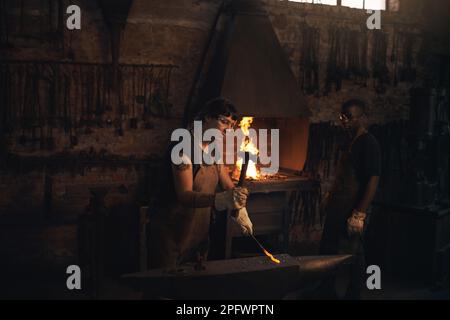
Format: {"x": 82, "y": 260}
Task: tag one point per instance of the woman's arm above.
{"x": 224, "y": 178}
{"x": 183, "y": 182}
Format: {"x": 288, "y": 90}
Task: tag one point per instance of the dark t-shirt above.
{"x": 366, "y": 159}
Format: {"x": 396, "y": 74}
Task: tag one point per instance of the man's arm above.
{"x": 372, "y": 169}
{"x": 372, "y": 166}
{"x": 369, "y": 194}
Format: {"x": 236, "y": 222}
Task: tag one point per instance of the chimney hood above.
{"x": 251, "y": 69}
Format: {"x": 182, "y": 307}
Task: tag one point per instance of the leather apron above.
{"x": 181, "y": 234}
{"x": 338, "y": 207}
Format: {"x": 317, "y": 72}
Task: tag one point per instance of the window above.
{"x": 366, "y": 4}
{"x": 328, "y": 2}
{"x": 359, "y": 4}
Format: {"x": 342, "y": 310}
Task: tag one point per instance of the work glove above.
{"x": 231, "y": 199}
{"x": 355, "y": 223}
{"x": 244, "y": 222}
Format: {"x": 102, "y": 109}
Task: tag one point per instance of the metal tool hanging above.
{"x": 334, "y": 72}
{"x": 309, "y": 59}
{"x": 408, "y": 72}
{"x": 40, "y": 97}
{"x": 4, "y": 29}
{"x": 380, "y": 71}
{"x": 133, "y": 119}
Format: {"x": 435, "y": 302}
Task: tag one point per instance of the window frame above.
{"x": 339, "y": 4}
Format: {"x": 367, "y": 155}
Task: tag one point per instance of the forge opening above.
{"x": 292, "y": 148}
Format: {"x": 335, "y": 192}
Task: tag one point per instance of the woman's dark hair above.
{"x": 217, "y": 107}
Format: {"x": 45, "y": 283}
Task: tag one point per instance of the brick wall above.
{"x": 393, "y": 104}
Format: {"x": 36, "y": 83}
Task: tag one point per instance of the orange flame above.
{"x": 248, "y": 146}
{"x": 245, "y": 124}
{"x": 271, "y": 256}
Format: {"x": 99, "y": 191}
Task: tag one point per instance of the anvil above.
{"x": 243, "y": 278}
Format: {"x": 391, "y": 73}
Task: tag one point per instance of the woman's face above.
{"x": 222, "y": 123}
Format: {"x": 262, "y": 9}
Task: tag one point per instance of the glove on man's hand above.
{"x": 355, "y": 223}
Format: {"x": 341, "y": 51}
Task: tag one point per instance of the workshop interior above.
{"x": 91, "y": 92}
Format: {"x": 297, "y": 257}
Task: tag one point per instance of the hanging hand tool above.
{"x": 21, "y": 73}
{"x": 74, "y": 115}
{"x": 379, "y": 57}
{"x": 408, "y": 72}
{"x": 156, "y": 103}
{"x": 394, "y": 56}
{"x": 31, "y": 110}
{"x": 118, "y": 120}
{"x": 364, "y": 68}
{"x": 88, "y": 100}
{"x": 104, "y": 89}
{"x": 167, "y": 104}
{"x": 82, "y": 86}
{"x": 25, "y": 104}
{"x": 107, "y": 85}
{"x": 133, "y": 119}
{"x": 4, "y": 28}
{"x": 22, "y": 16}
{"x": 148, "y": 94}
{"x": 334, "y": 73}
{"x": 52, "y": 102}
{"x": 99, "y": 111}
{"x": 66, "y": 104}
{"x": 6, "y": 77}
{"x": 145, "y": 95}
{"x": 309, "y": 64}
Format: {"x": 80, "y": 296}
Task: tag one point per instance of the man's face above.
{"x": 351, "y": 118}
{"x": 222, "y": 123}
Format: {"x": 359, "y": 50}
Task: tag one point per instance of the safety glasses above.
{"x": 345, "y": 117}
{"x": 227, "y": 122}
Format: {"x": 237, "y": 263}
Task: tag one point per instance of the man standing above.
{"x": 180, "y": 227}
{"x": 347, "y": 206}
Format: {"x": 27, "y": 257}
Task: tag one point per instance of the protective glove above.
{"x": 231, "y": 199}
{"x": 355, "y": 223}
{"x": 244, "y": 222}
